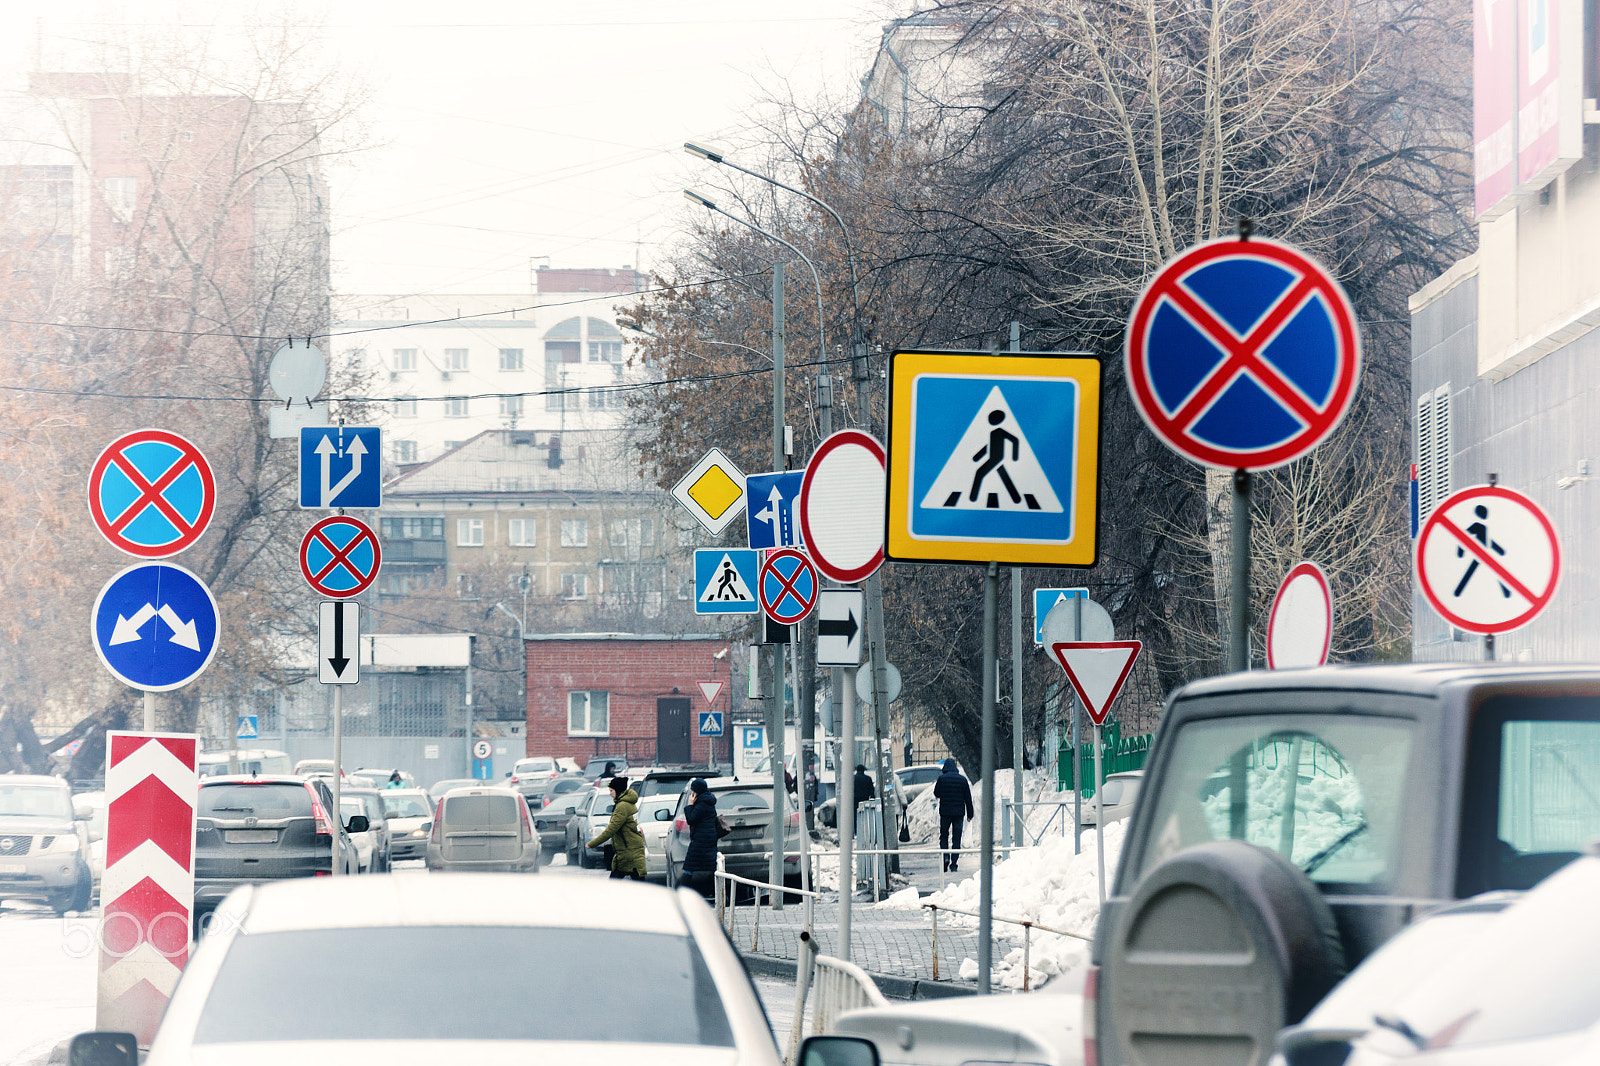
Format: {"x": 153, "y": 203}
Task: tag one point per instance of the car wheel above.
{"x": 83, "y": 892}
{"x": 792, "y": 881}
{"x": 1226, "y": 915}
{"x": 672, "y": 875}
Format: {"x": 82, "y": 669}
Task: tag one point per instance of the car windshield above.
{"x": 406, "y": 805}
{"x": 661, "y": 786}
{"x": 35, "y": 801}
{"x": 1324, "y": 791}
{"x": 266, "y": 800}
{"x": 475, "y": 1000}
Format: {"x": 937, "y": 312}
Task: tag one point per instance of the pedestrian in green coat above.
{"x": 623, "y": 832}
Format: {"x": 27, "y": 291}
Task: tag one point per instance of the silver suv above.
{"x": 43, "y": 849}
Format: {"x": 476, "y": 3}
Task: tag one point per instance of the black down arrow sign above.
{"x": 338, "y": 661}
{"x": 839, "y": 627}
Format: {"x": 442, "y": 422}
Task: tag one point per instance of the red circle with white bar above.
{"x": 156, "y": 464}
{"x": 1249, "y": 339}
{"x": 1300, "y": 627}
{"x": 842, "y": 506}
{"x": 1488, "y": 559}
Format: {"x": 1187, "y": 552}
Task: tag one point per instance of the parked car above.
{"x": 312, "y": 766}
{"x": 380, "y": 776}
{"x": 747, "y": 807}
{"x": 245, "y": 761}
{"x": 551, "y": 822}
{"x": 655, "y": 822}
{"x": 559, "y": 787}
{"x": 1038, "y": 1029}
{"x": 537, "y": 769}
{"x": 664, "y": 782}
{"x": 251, "y": 992}
{"x": 1119, "y": 793}
{"x": 1308, "y": 811}
{"x": 90, "y": 808}
{"x": 372, "y": 847}
{"x": 409, "y": 814}
{"x": 483, "y": 829}
{"x": 588, "y": 820}
{"x": 268, "y": 828}
{"x": 596, "y": 766}
{"x": 43, "y": 844}
{"x": 915, "y": 780}
{"x": 439, "y": 788}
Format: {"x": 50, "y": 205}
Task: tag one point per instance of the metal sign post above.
{"x": 845, "y": 789}
{"x": 991, "y": 583}
{"x": 1099, "y": 817}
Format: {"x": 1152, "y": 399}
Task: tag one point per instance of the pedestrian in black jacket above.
{"x": 864, "y": 789}
{"x": 701, "y": 815}
{"x": 955, "y": 810}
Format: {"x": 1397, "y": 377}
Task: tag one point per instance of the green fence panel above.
{"x": 1120, "y": 754}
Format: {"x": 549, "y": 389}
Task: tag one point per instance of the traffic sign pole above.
{"x": 337, "y": 814}
{"x": 1239, "y": 578}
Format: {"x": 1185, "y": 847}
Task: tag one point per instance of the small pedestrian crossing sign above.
{"x": 248, "y": 729}
{"x": 993, "y": 457}
{"x": 711, "y": 723}
{"x": 724, "y": 581}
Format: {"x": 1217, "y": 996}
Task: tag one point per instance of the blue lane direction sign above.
{"x": 1044, "y": 600}
{"x": 1243, "y": 355}
{"x": 711, "y": 723}
{"x": 772, "y": 508}
{"x": 725, "y": 581}
{"x": 155, "y": 626}
{"x": 993, "y": 458}
{"x": 249, "y": 728}
{"x": 341, "y": 466}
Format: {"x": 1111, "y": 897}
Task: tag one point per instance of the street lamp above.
{"x": 696, "y": 198}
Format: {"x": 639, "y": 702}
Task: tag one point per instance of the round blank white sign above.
{"x": 1300, "y": 630}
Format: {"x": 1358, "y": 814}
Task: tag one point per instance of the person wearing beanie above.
{"x": 700, "y": 812}
{"x": 623, "y": 833}
{"x": 864, "y": 786}
{"x": 955, "y": 810}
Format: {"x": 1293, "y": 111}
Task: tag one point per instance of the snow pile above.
{"x": 1327, "y": 806}
{"x": 905, "y": 899}
{"x": 1049, "y": 885}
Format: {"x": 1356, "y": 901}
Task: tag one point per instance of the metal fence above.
{"x": 1120, "y": 753}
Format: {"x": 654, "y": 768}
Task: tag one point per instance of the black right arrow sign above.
{"x": 836, "y": 627}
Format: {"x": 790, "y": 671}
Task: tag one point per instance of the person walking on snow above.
{"x": 955, "y": 810}
{"x": 623, "y": 832}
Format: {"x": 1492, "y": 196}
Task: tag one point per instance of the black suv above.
{"x": 251, "y": 829}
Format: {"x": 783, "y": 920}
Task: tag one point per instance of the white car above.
{"x": 90, "y": 807}
{"x": 1119, "y": 792}
{"x": 251, "y": 994}
{"x": 409, "y": 812}
{"x": 655, "y": 823}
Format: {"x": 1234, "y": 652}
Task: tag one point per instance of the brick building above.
{"x": 622, "y": 694}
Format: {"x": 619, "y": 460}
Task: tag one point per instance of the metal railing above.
{"x": 726, "y": 899}
{"x": 1028, "y": 927}
{"x": 1063, "y": 815}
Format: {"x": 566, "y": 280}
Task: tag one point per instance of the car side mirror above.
{"x": 663, "y": 815}
{"x": 103, "y": 1049}
{"x": 838, "y": 1051}
{"x": 358, "y": 823}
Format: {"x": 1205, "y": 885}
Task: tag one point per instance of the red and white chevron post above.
{"x": 147, "y": 891}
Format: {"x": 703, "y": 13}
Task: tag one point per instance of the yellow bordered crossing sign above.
{"x": 994, "y": 457}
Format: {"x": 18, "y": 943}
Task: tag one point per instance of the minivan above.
{"x": 484, "y": 828}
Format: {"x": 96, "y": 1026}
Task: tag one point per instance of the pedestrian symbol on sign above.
{"x": 1001, "y": 482}
{"x": 1478, "y": 531}
{"x": 728, "y": 586}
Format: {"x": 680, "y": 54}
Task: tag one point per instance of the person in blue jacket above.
{"x": 955, "y": 810}
{"x": 701, "y": 815}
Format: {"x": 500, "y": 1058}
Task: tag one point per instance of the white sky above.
{"x": 514, "y": 129}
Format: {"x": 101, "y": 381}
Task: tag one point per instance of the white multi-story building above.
{"x": 451, "y": 367}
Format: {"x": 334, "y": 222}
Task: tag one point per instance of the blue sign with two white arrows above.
{"x": 341, "y": 466}
{"x": 771, "y": 513}
{"x": 156, "y": 626}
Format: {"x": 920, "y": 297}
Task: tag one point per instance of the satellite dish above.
{"x": 297, "y": 373}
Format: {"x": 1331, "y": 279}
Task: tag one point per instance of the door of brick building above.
{"x": 672, "y": 731}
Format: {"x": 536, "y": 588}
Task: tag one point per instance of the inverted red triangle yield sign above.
{"x": 710, "y": 690}
{"x": 1097, "y": 670}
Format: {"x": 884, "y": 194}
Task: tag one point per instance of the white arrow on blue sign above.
{"x": 711, "y": 723}
{"x": 155, "y": 626}
{"x": 341, "y": 466}
{"x": 772, "y": 514}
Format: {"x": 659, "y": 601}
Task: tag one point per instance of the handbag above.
{"x": 723, "y": 828}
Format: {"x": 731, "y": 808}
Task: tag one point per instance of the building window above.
{"x": 469, "y": 532}
{"x": 574, "y": 533}
{"x": 1433, "y": 450}
{"x": 588, "y": 714}
{"x": 619, "y": 533}
{"x": 405, "y": 451}
{"x": 406, "y": 408}
{"x": 405, "y": 358}
{"x": 574, "y": 586}
{"x": 599, "y": 399}
{"x": 452, "y": 445}
{"x": 647, "y": 532}
{"x": 605, "y": 351}
{"x": 455, "y": 359}
{"x": 122, "y": 195}
{"x": 412, "y": 528}
{"x": 510, "y": 358}
{"x": 455, "y": 407}
{"x": 511, "y": 407}
{"x": 520, "y": 533}
{"x": 557, "y": 354}
{"x": 466, "y": 587}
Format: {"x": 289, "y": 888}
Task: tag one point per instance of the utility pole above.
{"x": 775, "y": 717}
{"x": 1019, "y": 813}
{"x": 809, "y": 757}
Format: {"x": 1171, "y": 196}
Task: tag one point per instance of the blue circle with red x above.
{"x": 788, "y": 586}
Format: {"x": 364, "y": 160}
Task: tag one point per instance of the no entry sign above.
{"x": 1488, "y": 559}
{"x": 1243, "y": 354}
{"x": 339, "y": 556}
{"x": 151, "y": 493}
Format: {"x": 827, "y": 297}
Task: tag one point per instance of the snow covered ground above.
{"x": 47, "y": 980}
{"x": 1038, "y": 786}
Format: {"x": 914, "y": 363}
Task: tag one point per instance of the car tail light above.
{"x": 321, "y": 873}
{"x": 515, "y": 779}
{"x": 437, "y": 834}
{"x": 793, "y": 819}
{"x": 527, "y": 823}
{"x": 1091, "y": 996}
{"x": 680, "y": 825}
{"x": 322, "y": 828}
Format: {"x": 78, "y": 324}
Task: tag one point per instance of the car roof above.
{"x": 463, "y": 899}
{"x": 672, "y": 775}
{"x": 254, "y": 779}
{"x": 481, "y": 790}
{"x": 1411, "y": 678}
{"x": 343, "y": 792}
{"x": 33, "y": 779}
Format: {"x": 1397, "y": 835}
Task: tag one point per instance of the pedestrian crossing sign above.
{"x": 994, "y": 457}
{"x": 725, "y": 581}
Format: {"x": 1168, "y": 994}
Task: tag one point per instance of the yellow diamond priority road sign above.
{"x": 712, "y": 491}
